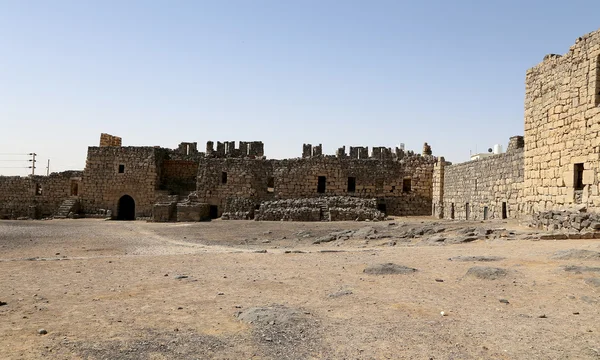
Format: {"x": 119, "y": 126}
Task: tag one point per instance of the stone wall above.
{"x": 178, "y": 176}
{"x": 36, "y": 196}
{"x": 488, "y": 188}
{"x": 402, "y": 187}
{"x": 221, "y": 179}
{"x": 335, "y": 208}
{"x": 571, "y": 220}
{"x": 562, "y": 128}
{"x": 112, "y": 172}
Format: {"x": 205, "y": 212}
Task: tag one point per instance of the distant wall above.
{"x": 474, "y": 188}
{"x": 402, "y": 187}
{"x": 35, "y": 196}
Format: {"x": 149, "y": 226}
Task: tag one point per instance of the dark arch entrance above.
{"x": 126, "y": 208}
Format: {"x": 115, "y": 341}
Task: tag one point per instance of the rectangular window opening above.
{"x": 578, "y": 180}
{"x": 74, "y": 188}
{"x": 321, "y": 185}
{"x": 406, "y": 185}
{"x": 351, "y": 184}
{"x": 223, "y": 177}
{"x": 121, "y": 169}
{"x": 270, "y": 184}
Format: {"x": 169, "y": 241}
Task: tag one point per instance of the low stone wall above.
{"x": 164, "y": 212}
{"x": 193, "y": 212}
{"x": 336, "y": 208}
{"x": 568, "y": 220}
{"x": 238, "y": 209}
{"x": 35, "y": 196}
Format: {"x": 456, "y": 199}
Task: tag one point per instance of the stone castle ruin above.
{"x": 552, "y": 173}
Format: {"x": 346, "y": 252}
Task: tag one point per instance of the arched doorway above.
{"x": 126, "y": 208}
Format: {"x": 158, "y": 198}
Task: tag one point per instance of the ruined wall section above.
{"x": 405, "y": 187}
{"x": 35, "y": 196}
{"x": 481, "y": 189}
{"x": 222, "y": 179}
{"x": 562, "y": 129}
{"x": 402, "y": 187}
{"x": 112, "y": 172}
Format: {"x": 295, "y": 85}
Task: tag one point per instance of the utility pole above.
{"x": 32, "y": 160}
{"x": 48, "y": 168}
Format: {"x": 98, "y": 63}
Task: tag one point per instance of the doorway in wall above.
{"x": 504, "y": 212}
{"x": 214, "y": 211}
{"x": 467, "y": 211}
{"x": 126, "y": 208}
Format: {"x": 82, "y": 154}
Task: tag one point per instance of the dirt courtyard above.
{"x": 287, "y": 290}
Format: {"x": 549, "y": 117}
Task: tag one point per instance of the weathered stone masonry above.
{"x": 562, "y": 129}
{"x": 401, "y": 187}
{"x": 36, "y": 196}
{"x": 488, "y": 188}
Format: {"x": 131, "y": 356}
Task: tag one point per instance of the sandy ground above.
{"x": 137, "y": 290}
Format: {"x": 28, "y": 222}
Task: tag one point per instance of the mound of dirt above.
{"x": 283, "y": 332}
{"x": 278, "y": 314}
{"x": 486, "y": 272}
{"x": 576, "y": 254}
{"x": 388, "y": 269}
{"x": 476, "y": 258}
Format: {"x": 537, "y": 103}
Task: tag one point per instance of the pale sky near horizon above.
{"x": 370, "y": 73}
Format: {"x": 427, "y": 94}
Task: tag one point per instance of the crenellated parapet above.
{"x": 227, "y": 149}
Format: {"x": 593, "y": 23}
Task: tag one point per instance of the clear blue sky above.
{"x": 372, "y": 73}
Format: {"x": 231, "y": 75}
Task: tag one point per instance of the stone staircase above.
{"x": 324, "y": 210}
{"x": 69, "y": 205}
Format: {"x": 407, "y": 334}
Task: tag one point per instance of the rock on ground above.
{"x": 388, "y": 269}
{"x": 576, "y": 254}
{"x": 476, "y": 258}
{"x": 486, "y": 272}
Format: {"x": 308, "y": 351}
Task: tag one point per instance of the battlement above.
{"x": 246, "y": 149}
{"x": 362, "y": 152}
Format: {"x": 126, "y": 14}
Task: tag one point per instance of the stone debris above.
{"x": 580, "y": 269}
{"x": 576, "y": 254}
{"x": 388, "y": 269}
{"x": 593, "y": 282}
{"x": 487, "y": 273}
{"x": 476, "y": 258}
